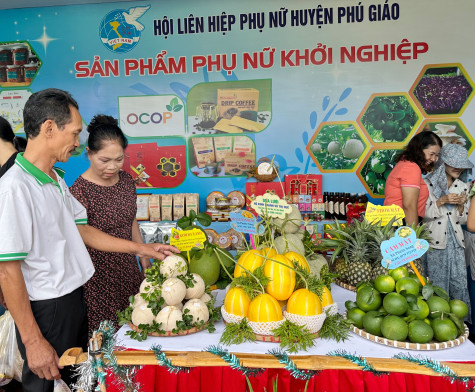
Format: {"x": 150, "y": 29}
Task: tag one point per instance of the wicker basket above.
{"x": 264, "y": 177}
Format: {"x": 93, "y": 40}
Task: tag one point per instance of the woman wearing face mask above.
{"x": 446, "y": 211}
{"x": 109, "y": 195}
{"x": 404, "y": 185}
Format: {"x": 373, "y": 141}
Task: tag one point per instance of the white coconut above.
{"x": 198, "y": 289}
{"x": 146, "y": 287}
{"x": 138, "y": 300}
{"x": 206, "y": 298}
{"x": 168, "y": 317}
{"x": 198, "y": 310}
{"x": 142, "y": 315}
{"x": 353, "y": 149}
{"x": 173, "y": 291}
{"x": 172, "y": 266}
{"x": 334, "y": 148}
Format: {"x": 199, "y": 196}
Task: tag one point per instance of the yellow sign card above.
{"x": 384, "y": 214}
{"x": 184, "y": 240}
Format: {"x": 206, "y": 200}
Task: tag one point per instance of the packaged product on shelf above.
{"x": 178, "y": 205}
{"x": 243, "y": 144}
{"x": 211, "y": 198}
{"x": 222, "y": 147}
{"x": 237, "y": 164}
{"x": 236, "y": 239}
{"x": 154, "y": 208}
{"x": 212, "y": 236}
{"x": 203, "y": 149}
{"x": 166, "y": 206}
{"x": 224, "y": 241}
{"x": 232, "y": 101}
{"x": 306, "y": 191}
{"x": 237, "y": 199}
{"x": 192, "y": 202}
{"x": 254, "y": 189}
{"x": 142, "y": 207}
{"x": 156, "y": 232}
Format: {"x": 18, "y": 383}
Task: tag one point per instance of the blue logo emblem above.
{"x": 120, "y": 29}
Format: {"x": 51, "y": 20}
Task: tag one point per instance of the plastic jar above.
{"x": 20, "y": 54}
{"x": 3, "y": 73}
{"x": 14, "y": 74}
{"x": 5, "y": 55}
{"x": 30, "y": 72}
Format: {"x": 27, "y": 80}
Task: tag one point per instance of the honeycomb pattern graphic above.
{"x": 168, "y": 167}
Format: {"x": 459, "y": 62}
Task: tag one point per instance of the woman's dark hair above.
{"x": 7, "y": 135}
{"x": 413, "y": 152}
{"x": 49, "y": 104}
{"x": 104, "y": 128}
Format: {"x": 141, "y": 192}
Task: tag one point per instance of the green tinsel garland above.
{"x": 124, "y": 374}
{"x": 233, "y": 361}
{"x": 437, "y": 367}
{"x": 362, "y": 362}
{"x": 164, "y": 361}
{"x": 284, "y": 358}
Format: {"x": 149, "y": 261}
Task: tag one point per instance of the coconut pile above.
{"x": 178, "y": 299}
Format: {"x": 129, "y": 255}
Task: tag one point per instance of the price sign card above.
{"x": 185, "y": 240}
{"x": 403, "y": 248}
{"x": 384, "y": 214}
{"x": 271, "y": 205}
{"x": 245, "y": 222}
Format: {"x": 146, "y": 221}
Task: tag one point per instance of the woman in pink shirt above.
{"x": 404, "y": 185}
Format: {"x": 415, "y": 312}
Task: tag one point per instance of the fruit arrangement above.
{"x": 337, "y": 146}
{"x": 377, "y": 168}
{"x": 398, "y": 307}
{"x": 278, "y": 294}
{"x": 357, "y": 256}
{"x": 172, "y": 301}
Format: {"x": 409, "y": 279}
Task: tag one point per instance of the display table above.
{"x": 210, "y": 373}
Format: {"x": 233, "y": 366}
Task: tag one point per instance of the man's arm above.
{"x": 42, "y": 358}
{"x": 99, "y": 240}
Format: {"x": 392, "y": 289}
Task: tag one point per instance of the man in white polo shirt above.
{"x": 43, "y": 228}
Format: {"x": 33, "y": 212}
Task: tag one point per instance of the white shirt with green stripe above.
{"x": 38, "y": 218}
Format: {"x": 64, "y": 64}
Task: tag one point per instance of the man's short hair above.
{"x": 49, "y": 104}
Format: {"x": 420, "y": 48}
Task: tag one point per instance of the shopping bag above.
{"x": 11, "y": 363}
{"x": 61, "y": 386}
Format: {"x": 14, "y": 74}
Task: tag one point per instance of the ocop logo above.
{"x": 152, "y": 115}
{"x": 120, "y": 31}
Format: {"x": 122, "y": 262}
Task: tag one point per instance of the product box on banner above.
{"x": 254, "y": 189}
{"x": 305, "y": 190}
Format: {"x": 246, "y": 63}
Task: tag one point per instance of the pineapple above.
{"x": 418, "y": 265}
{"x": 341, "y": 268}
{"x": 378, "y": 270}
{"x": 358, "y": 271}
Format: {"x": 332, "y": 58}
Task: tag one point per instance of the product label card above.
{"x": 384, "y": 214}
{"x": 403, "y": 248}
{"x": 245, "y": 222}
{"x": 271, "y": 205}
{"x": 185, "y": 240}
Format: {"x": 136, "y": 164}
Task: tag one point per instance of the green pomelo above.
{"x": 395, "y": 303}
{"x": 384, "y": 283}
{"x": 368, "y": 298}
{"x": 437, "y": 305}
{"x": 420, "y": 332}
{"x": 394, "y": 328}
{"x": 399, "y": 273}
{"x": 408, "y": 284}
{"x": 421, "y": 312}
{"x": 459, "y": 308}
{"x": 444, "y": 329}
{"x": 372, "y": 322}
{"x": 356, "y": 315}
{"x": 207, "y": 266}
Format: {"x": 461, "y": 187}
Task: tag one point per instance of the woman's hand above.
{"x": 145, "y": 263}
{"x": 451, "y": 198}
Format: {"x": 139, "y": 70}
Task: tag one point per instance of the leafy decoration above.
{"x": 294, "y": 337}
{"x": 360, "y": 361}
{"x": 164, "y": 361}
{"x": 233, "y": 361}
{"x": 252, "y": 285}
{"x": 335, "y": 327}
{"x": 237, "y": 333}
